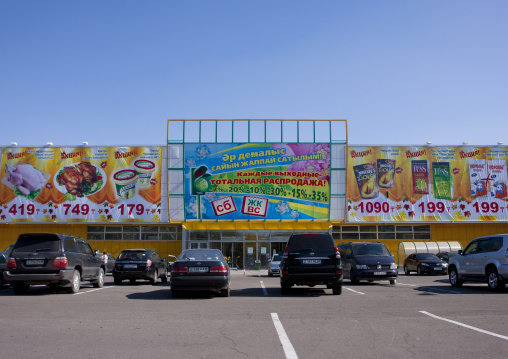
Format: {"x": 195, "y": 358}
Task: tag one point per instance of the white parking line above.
{"x": 430, "y": 288}
{"x": 92, "y": 290}
{"x": 352, "y": 290}
{"x": 264, "y": 288}
{"x": 464, "y": 325}
{"x": 286, "y": 344}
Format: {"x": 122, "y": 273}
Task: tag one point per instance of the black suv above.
{"x": 311, "y": 259}
{"x": 57, "y": 260}
{"x": 135, "y": 264}
{"x": 369, "y": 261}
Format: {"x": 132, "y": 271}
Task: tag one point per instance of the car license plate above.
{"x": 130, "y": 266}
{"x": 35, "y": 262}
{"x": 198, "y": 269}
{"x": 311, "y": 261}
{"x": 438, "y": 268}
{"x": 379, "y": 273}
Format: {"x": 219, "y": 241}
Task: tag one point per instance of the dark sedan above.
{"x": 425, "y": 263}
{"x": 133, "y": 264}
{"x": 200, "y": 270}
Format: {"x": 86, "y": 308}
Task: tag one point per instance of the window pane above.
{"x": 349, "y": 229}
{"x": 368, "y": 236}
{"x": 336, "y": 236}
{"x": 422, "y": 228}
{"x": 95, "y": 229}
{"x": 95, "y": 236}
{"x": 367, "y": 228}
{"x": 167, "y": 237}
{"x": 149, "y": 229}
{"x": 149, "y": 236}
{"x": 336, "y": 228}
{"x": 114, "y": 229}
{"x": 386, "y": 235}
{"x": 113, "y": 236}
{"x": 214, "y": 235}
{"x": 131, "y": 229}
{"x": 404, "y": 235}
{"x": 422, "y": 235}
{"x": 389, "y": 229}
{"x": 199, "y": 236}
{"x": 404, "y": 228}
{"x": 131, "y": 236}
{"x": 350, "y": 236}
{"x": 167, "y": 229}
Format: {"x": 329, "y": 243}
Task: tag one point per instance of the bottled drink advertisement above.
{"x": 426, "y": 183}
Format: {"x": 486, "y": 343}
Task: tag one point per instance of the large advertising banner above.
{"x": 257, "y": 181}
{"x": 427, "y": 184}
{"x": 80, "y": 184}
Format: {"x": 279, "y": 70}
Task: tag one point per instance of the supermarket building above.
{"x": 244, "y": 186}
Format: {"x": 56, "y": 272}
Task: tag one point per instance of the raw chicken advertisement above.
{"x": 80, "y": 184}
{"x": 257, "y": 181}
{"x": 427, "y": 184}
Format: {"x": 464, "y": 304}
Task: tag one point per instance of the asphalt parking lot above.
{"x": 419, "y": 317}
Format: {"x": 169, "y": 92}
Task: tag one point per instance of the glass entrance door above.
{"x": 233, "y": 251}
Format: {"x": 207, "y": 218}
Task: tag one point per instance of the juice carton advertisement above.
{"x": 478, "y": 177}
{"x": 497, "y": 178}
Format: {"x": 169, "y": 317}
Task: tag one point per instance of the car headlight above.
{"x": 393, "y": 266}
{"x": 445, "y": 265}
{"x": 425, "y": 264}
{"x": 361, "y": 266}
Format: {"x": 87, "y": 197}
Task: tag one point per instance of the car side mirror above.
{"x": 164, "y": 260}
{"x": 97, "y": 252}
{"x": 459, "y": 252}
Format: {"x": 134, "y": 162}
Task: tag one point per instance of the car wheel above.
{"x": 337, "y": 289}
{"x": 419, "y": 270}
{"x": 117, "y": 281}
{"x": 454, "y": 278}
{"x": 100, "y": 279}
{"x": 153, "y": 280}
{"x": 20, "y": 288}
{"x": 494, "y": 282}
{"x": 285, "y": 287}
{"x": 224, "y": 292}
{"x": 352, "y": 277}
{"x": 406, "y": 270}
{"x": 164, "y": 278}
{"x": 75, "y": 283}
{"x": 393, "y": 281}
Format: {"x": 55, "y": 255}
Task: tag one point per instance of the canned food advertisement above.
{"x": 427, "y": 183}
{"x": 258, "y": 181}
{"x": 80, "y": 184}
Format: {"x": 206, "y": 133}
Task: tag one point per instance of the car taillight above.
{"x": 339, "y": 271}
{"x": 220, "y": 269}
{"x": 337, "y": 254}
{"x": 286, "y": 253}
{"x": 11, "y": 263}
{"x": 148, "y": 263}
{"x": 60, "y": 262}
{"x": 179, "y": 269}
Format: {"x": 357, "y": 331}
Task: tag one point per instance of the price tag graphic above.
{"x": 224, "y": 206}
{"x": 255, "y": 206}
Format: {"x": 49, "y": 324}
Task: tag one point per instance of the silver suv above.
{"x": 485, "y": 259}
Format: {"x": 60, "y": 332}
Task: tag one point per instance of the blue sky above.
{"x": 113, "y": 72}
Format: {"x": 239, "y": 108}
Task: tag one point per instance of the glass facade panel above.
{"x": 131, "y": 229}
{"x": 386, "y": 236}
{"x": 95, "y": 236}
{"x": 368, "y": 235}
{"x": 131, "y": 236}
{"x": 388, "y": 229}
{"x": 149, "y": 236}
{"x": 113, "y": 229}
{"x": 113, "y": 236}
{"x": 404, "y": 236}
{"x": 404, "y": 228}
{"x": 348, "y": 236}
{"x": 368, "y": 228}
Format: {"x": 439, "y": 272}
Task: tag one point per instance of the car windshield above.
{"x": 427, "y": 256}
{"x": 310, "y": 242}
{"x": 370, "y": 249}
{"x": 201, "y": 254}
{"x": 277, "y": 258}
{"x": 133, "y": 255}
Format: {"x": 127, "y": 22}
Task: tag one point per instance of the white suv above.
{"x": 485, "y": 259}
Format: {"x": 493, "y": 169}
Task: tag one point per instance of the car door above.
{"x": 466, "y": 259}
{"x": 346, "y": 270}
{"x": 410, "y": 262}
{"x": 158, "y": 262}
{"x": 90, "y": 261}
{"x": 481, "y": 257}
